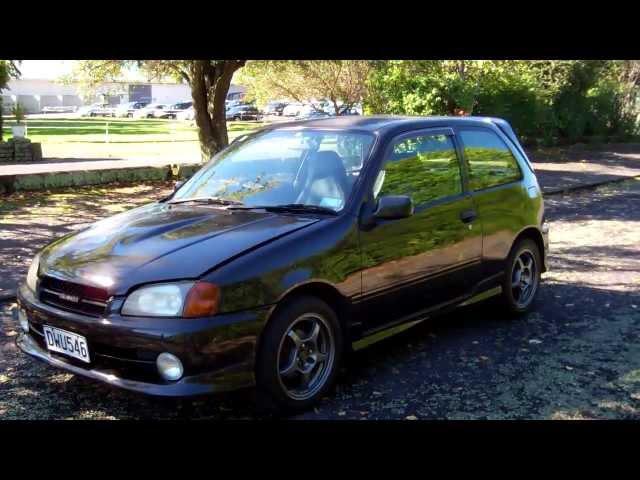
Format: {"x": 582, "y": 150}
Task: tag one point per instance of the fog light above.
{"x": 23, "y": 320}
{"x": 169, "y": 366}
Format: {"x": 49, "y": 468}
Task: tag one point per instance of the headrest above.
{"x": 326, "y": 164}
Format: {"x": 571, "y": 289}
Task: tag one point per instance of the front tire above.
{"x": 299, "y": 356}
{"x": 522, "y": 277}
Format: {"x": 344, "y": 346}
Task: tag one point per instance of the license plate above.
{"x": 66, "y": 343}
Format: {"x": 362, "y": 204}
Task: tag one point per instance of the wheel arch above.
{"x": 534, "y": 234}
{"x": 323, "y": 290}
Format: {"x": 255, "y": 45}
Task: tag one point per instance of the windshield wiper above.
{"x": 290, "y": 207}
{"x": 211, "y": 200}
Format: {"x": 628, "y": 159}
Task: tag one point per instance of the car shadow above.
{"x": 568, "y": 357}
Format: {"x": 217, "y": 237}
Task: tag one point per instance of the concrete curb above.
{"x": 74, "y": 178}
{"x": 586, "y": 186}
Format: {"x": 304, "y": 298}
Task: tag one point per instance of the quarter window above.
{"x": 423, "y": 167}
{"x": 489, "y": 160}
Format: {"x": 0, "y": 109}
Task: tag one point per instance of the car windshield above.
{"x": 283, "y": 167}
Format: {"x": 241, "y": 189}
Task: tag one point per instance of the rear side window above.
{"x": 489, "y": 160}
{"x": 424, "y": 167}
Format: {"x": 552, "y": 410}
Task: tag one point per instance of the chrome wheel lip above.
{"x": 310, "y": 357}
{"x": 524, "y": 278}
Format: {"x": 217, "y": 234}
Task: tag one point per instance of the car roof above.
{"x": 384, "y": 123}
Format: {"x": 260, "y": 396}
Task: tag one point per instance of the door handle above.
{"x": 468, "y": 216}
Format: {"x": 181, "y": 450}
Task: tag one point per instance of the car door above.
{"x": 500, "y": 198}
{"x": 432, "y": 257}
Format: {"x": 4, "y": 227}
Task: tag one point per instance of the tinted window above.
{"x": 424, "y": 167}
{"x": 489, "y": 160}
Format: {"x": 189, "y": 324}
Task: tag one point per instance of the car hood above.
{"x": 161, "y": 242}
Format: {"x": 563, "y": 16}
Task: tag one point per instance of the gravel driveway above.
{"x": 576, "y": 356}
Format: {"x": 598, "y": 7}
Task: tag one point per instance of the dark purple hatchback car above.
{"x": 293, "y": 245}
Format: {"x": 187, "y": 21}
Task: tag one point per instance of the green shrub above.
{"x": 547, "y": 102}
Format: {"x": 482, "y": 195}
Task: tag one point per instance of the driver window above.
{"x": 424, "y": 167}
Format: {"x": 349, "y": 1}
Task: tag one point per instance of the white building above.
{"x": 35, "y": 94}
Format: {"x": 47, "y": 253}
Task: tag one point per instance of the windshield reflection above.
{"x": 307, "y": 167}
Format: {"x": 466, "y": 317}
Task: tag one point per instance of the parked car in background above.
{"x": 293, "y": 246}
{"x": 172, "y": 110}
{"x": 127, "y": 109}
{"x": 274, "y": 108}
{"x": 326, "y": 107}
{"x": 92, "y": 110}
{"x": 292, "y": 110}
{"x": 149, "y": 110}
{"x": 60, "y": 109}
{"x": 161, "y": 111}
{"x": 353, "y": 110}
{"x": 306, "y": 110}
{"x": 310, "y": 111}
{"x": 313, "y": 114}
{"x": 243, "y": 112}
{"x": 187, "y": 114}
{"x": 232, "y": 103}
{"x": 107, "y": 110}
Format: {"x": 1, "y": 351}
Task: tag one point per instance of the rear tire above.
{"x": 299, "y": 355}
{"x": 521, "y": 280}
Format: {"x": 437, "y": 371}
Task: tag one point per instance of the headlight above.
{"x": 161, "y": 300}
{"x": 32, "y": 274}
{"x": 184, "y": 299}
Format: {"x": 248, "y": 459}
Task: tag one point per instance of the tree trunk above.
{"x": 210, "y": 82}
{"x": 1, "y": 124}
{"x": 630, "y": 80}
{"x": 335, "y": 106}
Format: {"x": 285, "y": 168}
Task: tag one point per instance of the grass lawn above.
{"x": 128, "y": 138}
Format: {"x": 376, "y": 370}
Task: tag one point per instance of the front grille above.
{"x": 74, "y": 297}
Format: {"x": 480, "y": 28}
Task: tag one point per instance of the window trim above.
{"x": 447, "y": 131}
{"x": 467, "y": 167}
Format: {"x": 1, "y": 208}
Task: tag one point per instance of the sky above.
{"x": 53, "y": 69}
{"x": 49, "y": 69}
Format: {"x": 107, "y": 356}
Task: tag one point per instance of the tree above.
{"x": 8, "y": 70}
{"x": 548, "y": 100}
{"x": 629, "y": 77}
{"x": 423, "y": 87}
{"x": 342, "y": 82}
{"x": 209, "y": 81}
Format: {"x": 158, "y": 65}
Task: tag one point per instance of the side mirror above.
{"x": 177, "y": 185}
{"x": 394, "y": 206}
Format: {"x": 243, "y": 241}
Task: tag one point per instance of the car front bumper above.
{"x": 217, "y": 353}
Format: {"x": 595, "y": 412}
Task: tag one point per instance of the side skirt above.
{"x": 374, "y": 336}
{"x": 482, "y": 296}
